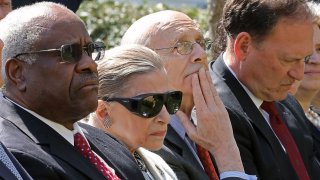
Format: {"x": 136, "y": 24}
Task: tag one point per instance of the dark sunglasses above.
{"x": 150, "y": 105}
{"x": 72, "y": 53}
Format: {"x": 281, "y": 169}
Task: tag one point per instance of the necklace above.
{"x": 140, "y": 162}
{"x": 313, "y": 117}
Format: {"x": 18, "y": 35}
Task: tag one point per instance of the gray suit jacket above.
{"x": 261, "y": 152}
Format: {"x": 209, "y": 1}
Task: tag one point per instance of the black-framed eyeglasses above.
{"x": 72, "y": 52}
{"x": 186, "y": 47}
{"x": 150, "y": 105}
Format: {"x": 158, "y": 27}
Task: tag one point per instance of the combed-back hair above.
{"x": 123, "y": 62}
{"x": 256, "y": 17}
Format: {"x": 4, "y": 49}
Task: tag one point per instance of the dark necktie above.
{"x": 206, "y": 161}
{"x": 83, "y": 147}
{"x": 284, "y": 135}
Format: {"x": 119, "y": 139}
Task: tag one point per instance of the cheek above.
{"x": 131, "y": 127}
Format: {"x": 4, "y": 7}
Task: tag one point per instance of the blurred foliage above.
{"x": 108, "y": 20}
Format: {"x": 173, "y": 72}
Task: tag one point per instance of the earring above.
{"x": 107, "y": 123}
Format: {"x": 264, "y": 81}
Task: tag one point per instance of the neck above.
{"x": 305, "y": 97}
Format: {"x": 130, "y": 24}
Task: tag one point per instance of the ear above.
{"x": 102, "y": 110}
{"x": 14, "y": 71}
{"x": 242, "y": 45}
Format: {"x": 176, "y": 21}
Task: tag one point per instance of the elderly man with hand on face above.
{"x": 178, "y": 40}
{"x": 268, "y": 43}
{"x": 50, "y": 82}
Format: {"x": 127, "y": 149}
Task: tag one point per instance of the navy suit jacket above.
{"x": 260, "y": 150}
{"x": 45, "y": 154}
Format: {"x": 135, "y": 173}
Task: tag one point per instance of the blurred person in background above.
{"x": 309, "y": 87}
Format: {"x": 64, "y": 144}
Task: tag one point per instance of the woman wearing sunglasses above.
{"x": 134, "y": 105}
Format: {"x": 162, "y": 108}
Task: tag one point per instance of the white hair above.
{"x": 315, "y": 8}
{"x": 22, "y": 28}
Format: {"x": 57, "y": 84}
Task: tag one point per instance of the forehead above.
{"x": 5, "y": 1}
{"x": 152, "y": 82}
{"x": 64, "y": 32}
{"x": 177, "y": 28}
{"x": 292, "y": 39}
{"x": 316, "y": 34}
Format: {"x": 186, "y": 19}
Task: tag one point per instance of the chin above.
{"x": 154, "y": 146}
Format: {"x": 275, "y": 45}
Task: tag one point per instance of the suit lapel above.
{"x": 174, "y": 139}
{"x": 45, "y": 136}
{"x": 233, "y": 95}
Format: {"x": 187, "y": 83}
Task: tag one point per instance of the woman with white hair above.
{"x": 307, "y": 91}
{"x": 134, "y": 105}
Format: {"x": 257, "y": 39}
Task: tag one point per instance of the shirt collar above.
{"x": 63, "y": 131}
{"x": 257, "y": 102}
{"x": 177, "y": 126}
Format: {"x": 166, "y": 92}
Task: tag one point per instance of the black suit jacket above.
{"x": 180, "y": 158}
{"x": 316, "y": 138}
{"x": 261, "y": 152}
{"x": 6, "y": 174}
{"x": 47, "y": 155}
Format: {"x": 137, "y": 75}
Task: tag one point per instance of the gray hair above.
{"x": 315, "y": 11}
{"x": 123, "y": 62}
{"x": 22, "y": 28}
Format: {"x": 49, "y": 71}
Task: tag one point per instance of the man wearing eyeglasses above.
{"x": 178, "y": 40}
{"x": 50, "y": 82}
{"x": 268, "y": 43}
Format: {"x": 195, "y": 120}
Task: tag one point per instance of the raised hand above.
{"x": 213, "y": 130}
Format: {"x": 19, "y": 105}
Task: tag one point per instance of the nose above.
{"x": 198, "y": 54}
{"x": 86, "y": 64}
{"x": 163, "y": 116}
{"x": 315, "y": 58}
{"x": 297, "y": 71}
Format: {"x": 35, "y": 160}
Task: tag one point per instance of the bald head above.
{"x": 144, "y": 30}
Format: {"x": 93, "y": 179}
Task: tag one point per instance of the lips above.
{"x": 159, "y": 133}
{"x": 89, "y": 80}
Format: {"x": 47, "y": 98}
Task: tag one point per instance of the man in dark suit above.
{"x": 50, "y": 82}
{"x": 178, "y": 40}
{"x": 267, "y": 44}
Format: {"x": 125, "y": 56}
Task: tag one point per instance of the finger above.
{"x": 213, "y": 90}
{"x": 198, "y": 98}
{"x": 187, "y": 124}
{"x": 205, "y": 87}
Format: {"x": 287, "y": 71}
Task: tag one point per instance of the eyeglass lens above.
{"x": 73, "y": 52}
{"x": 150, "y": 105}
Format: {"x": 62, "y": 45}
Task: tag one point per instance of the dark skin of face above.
{"x": 59, "y": 91}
